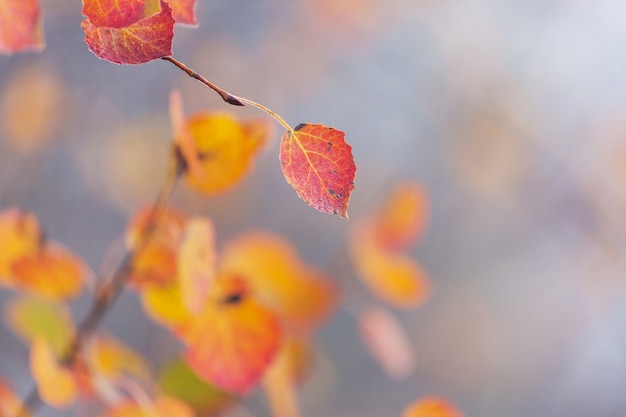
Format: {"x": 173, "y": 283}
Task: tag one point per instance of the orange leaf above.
{"x": 10, "y": 403}
{"x": 394, "y": 277}
{"x": 387, "y": 342}
{"x": 135, "y": 42}
{"x": 226, "y": 148}
{"x": 56, "y": 384}
{"x": 20, "y": 236}
{"x": 183, "y": 11}
{"x": 156, "y": 263}
{"x": 403, "y": 217}
{"x": 277, "y": 276}
{"x": 317, "y": 162}
{"x": 432, "y": 407}
{"x": 196, "y": 263}
{"x": 233, "y": 340}
{"x": 20, "y": 26}
{"x": 53, "y": 272}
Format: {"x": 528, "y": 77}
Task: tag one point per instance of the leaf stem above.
{"x": 107, "y": 293}
{"x": 226, "y": 96}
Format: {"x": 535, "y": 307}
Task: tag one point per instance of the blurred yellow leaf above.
{"x": 164, "y": 304}
{"x": 109, "y": 358}
{"x": 280, "y": 380}
{"x": 20, "y": 235}
{"x": 197, "y": 261}
{"x": 298, "y": 293}
{"x": 56, "y": 384}
{"x": 233, "y": 340}
{"x": 225, "y": 147}
{"x": 32, "y": 317}
{"x": 32, "y": 108}
{"x": 162, "y": 407}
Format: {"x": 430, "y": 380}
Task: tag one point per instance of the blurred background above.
{"x": 511, "y": 113}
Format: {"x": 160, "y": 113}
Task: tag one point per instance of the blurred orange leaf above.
{"x": 156, "y": 264}
{"x": 233, "y": 340}
{"x": 432, "y": 407}
{"x": 32, "y": 317}
{"x": 387, "y": 342}
{"x": 10, "y": 403}
{"x": 403, "y": 217}
{"x": 317, "y": 162}
{"x": 183, "y": 11}
{"x": 131, "y": 32}
{"x": 298, "y": 293}
{"x": 56, "y": 384}
{"x": 52, "y": 272}
{"x": 20, "y": 236}
{"x": 394, "y": 277}
{"x": 196, "y": 263}
{"x": 20, "y": 26}
{"x": 225, "y": 148}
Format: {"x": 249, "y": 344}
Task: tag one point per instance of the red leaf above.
{"x": 141, "y": 41}
{"x": 113, "y": 13}
{"x": 233, "y": 340}
{"x": 317, "y": 162}
{"x": 20, "y": 26}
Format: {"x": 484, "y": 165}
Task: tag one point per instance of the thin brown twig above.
{"x": 111, "y": 289}
{"x": 226, "y": 96}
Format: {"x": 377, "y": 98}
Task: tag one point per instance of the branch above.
{"x": 107, "y": 293}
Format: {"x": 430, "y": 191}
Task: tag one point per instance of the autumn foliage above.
{"x": 245, "y": 310}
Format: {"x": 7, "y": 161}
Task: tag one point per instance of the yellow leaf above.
{"x": 196, "y": 263}
{"x": 164, "y": 304}
{"x": 56, "y": 384}
{"x": 225, "y": 147}
{"x": 20, "y": 235}
{"x": 299, "y": 294}
{"x": 111, "y": 359}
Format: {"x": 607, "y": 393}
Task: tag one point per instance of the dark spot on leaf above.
{"x": 330, "y": 146}
{"x": 331, "y": 191}
{"x": 234, "y": 298}
{"x": 300, "y": 126}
